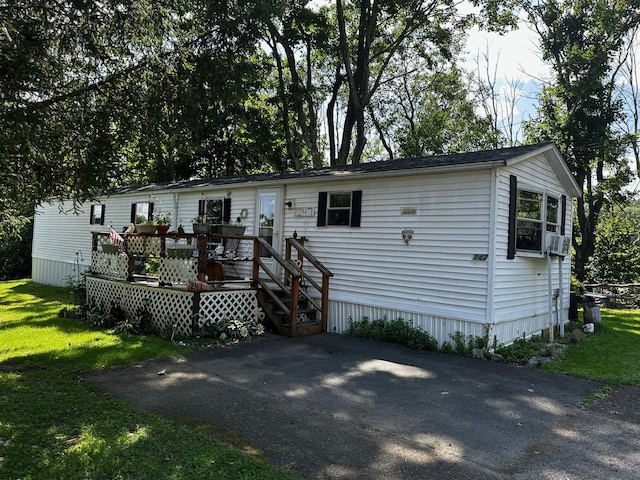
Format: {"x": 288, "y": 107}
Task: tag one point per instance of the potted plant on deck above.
{"x": 200, "y": 225}
{"x": 162, "y": 221}
{"x": 143, "y": 225}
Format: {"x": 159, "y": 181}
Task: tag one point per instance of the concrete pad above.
{"x": 338, "y": 407}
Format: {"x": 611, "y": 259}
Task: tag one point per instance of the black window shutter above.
{"x": 226, "y": 210}
{"x": 150, "y": 211}
{"x": 563, "y": 212}
{"x": 133, "y": 213}
{"x": 322, "y": 209}
{"x": 356, "y": 207}
{"x": 513, "y": 205}
{"x": 102, "y": 215}
{"x": 93, "y": 208}
{"x": 202, "y": 208}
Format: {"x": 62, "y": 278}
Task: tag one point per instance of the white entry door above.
{"x": 268, "y": 223}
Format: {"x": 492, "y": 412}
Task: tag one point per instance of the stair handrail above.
{"x": 292, "y": 271}
{"x": 304, "y": 253}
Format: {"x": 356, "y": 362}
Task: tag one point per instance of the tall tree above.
{"x": 581, "y": 39}
{"x": 616, "y": 257}
{"x": 332, "y": 62}
{"x": 428, "y": 112}
{"x": 97, "y": 94}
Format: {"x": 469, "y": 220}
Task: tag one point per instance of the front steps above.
{"x": 306, "y": 323}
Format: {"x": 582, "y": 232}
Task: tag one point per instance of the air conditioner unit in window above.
{"x": 557, "y": 244}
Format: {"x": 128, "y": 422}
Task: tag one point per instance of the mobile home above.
{"x": 473, "y": 242}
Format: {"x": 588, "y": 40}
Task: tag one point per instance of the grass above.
{"x": 610, "y": 355}
{"x": 55, "y": 425}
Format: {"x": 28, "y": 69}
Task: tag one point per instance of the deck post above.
{"x": 195, "y": 311}
{"x": 293, "y": 314}
{"x": 324, "y": 314}
{"x": 202, "y": 256}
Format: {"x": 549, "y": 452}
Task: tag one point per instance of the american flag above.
{"x": 115, "y": 238}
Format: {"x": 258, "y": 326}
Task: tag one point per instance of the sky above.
{"x": 514, "y": 56}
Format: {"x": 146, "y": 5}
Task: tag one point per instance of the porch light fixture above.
{"x": 407, "y": 235}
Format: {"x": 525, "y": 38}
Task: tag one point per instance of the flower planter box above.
{"x": 145, "y": 228}
{"x": 180, "y": 252}
{"x": 200, "y": 228}
{"x": 232, "y": 229}
{"x": 107, "y": 248}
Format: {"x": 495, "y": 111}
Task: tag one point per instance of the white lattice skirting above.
{"x": 169, "y": 306}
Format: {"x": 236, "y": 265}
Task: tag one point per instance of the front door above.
{"x": 269, "y": 223}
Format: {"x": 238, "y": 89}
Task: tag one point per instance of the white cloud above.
{"x": 516, "y": 53}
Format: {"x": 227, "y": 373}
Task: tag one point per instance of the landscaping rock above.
{"x": 496, "y": 357}
{"x": 550, "y": 349}
{"x": 534, "y": 362}
{"x": 576, "y": 335}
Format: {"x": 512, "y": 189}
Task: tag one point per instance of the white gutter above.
{"x": 550, "y": 297}
{"x": 491, "y": 267}
{"x": 560, "y": 305}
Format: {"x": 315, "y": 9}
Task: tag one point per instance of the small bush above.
{"x": 460, "y": 342}
{"x": 397, "y": 331}
{"x": 521, "y": 350}
{"x": 233, "y": 328}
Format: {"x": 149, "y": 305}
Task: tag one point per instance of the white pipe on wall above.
{"x": 560, "y": 297}
{"x": 550, "y": 297}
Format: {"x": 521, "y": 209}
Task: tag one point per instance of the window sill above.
{"x": 529, "y": 254}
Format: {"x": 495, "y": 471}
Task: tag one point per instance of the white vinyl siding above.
{"x": 435, "y": 272}
{"x": 521, "y": 284}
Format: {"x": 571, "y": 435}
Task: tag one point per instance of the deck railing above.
{"x": 303, "y": 257}
{"x": 300, "y": 268}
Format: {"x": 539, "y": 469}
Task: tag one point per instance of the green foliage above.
{"x": 16, "y": 232}
{"x": 521, "y": 350}
{"x": 460, "y": 343}
{"x": 616, "y": 257}
{"x": 397, "y": 331}
{"x": 581, "y": 109}
{"x": 152, "y": 265}
{"x": 444, "y": 119}
{"x": 233, "y": 328}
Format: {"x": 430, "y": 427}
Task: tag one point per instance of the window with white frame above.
{"x": 97, "y": 215}
{"x": 536, "y": 214}
{"x": 339, "y": 208}
{"x": 141, "y": 212}
{"x": 214, "y": 211}
{"x": 211, "y": 210}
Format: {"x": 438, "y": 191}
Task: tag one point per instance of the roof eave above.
{"x": 551, "y": 152}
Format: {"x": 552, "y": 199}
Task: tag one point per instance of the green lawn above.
{"x": 53, "y": 425}
{"x": 611, "y": 354}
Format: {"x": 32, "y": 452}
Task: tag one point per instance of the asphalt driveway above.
{"x": 338, "y": 407}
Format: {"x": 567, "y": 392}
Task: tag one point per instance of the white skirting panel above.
{"x": 54, "y": 272}
{"x": 507, "y": 332}
{"x": 439, "y": 327}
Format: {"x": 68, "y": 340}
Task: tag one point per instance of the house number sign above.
{"x": 306, "y": 212}
{"x": 408, "y": 211}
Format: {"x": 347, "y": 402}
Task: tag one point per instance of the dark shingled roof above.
{"x": 454, "y": 159}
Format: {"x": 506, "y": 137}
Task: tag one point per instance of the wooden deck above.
{"x": 118, "y": 277}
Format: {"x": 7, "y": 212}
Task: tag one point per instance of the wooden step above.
{"x": 304, "y": 328}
